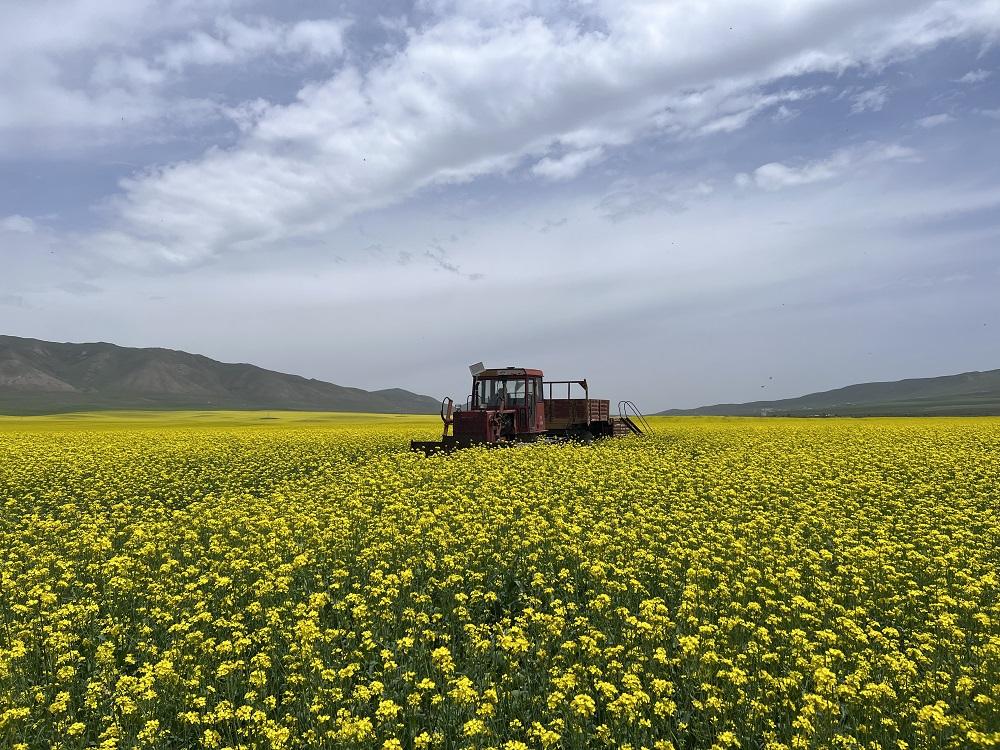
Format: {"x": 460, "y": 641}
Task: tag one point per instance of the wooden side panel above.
{"x": 598, "y": 409}
{"x": 567, "y": 413}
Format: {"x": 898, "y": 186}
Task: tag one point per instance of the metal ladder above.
{"x": 629, "y": 420}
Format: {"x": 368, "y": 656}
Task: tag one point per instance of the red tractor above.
{"x": 515, "y": 404}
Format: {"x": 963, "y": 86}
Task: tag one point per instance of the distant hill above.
{"x": 971, "y": 393}
{"x": 42, "y": 377}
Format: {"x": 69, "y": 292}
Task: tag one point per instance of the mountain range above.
{"x": 967, "y": 394}
{"x": 43, "y": 377}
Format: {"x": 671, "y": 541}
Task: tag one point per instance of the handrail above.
{"x": 447, "y": 414}
{"x": 623, "y": 409}
{"x": 568, "y": 383}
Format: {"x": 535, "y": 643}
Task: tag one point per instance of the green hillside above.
{"x": 43, "y": 377}
{"x": 967, "y": 394}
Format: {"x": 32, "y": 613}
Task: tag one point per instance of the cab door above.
{"x": 533, "y": 405}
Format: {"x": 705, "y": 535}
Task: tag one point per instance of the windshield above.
{"x": 489, "y": 393}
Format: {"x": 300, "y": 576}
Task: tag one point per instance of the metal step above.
{"x": 624, "y": 426}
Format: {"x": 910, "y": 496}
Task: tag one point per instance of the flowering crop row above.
{"x": 722, "y": 584}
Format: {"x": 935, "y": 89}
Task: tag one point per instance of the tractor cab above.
{"x": 505, "y": 404}
{"x": 516, "y": 388}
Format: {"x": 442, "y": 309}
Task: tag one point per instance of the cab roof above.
{"x": 510, "y": 372}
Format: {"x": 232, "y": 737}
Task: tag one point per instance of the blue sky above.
{"x": 686, "y": 202}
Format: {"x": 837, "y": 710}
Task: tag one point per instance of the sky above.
{"x": 684, "y": 201}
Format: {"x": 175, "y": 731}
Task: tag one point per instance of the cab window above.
{"x": 490, "y": 393}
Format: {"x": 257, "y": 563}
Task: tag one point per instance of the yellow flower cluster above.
{"x": 722, "y": 584}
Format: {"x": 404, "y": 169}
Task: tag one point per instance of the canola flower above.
{"x": 723, "y": 584}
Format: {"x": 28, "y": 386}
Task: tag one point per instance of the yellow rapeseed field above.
{"x": 238, "y": 581}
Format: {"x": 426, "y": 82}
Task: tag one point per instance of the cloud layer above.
{"x": 468, "y": 92}
{"x": 775, "y": 175}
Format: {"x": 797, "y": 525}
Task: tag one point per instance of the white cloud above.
{"x": 785, "y": 114}
{"x": 568, "y": 165}
{"x": 17, "y": 223}
{"x": 872, "y": 100}
{"x": 735, "y": 112}
{"x": 319, "y": 38}
{"x": 631, "y": 198}
{"x": 234, "y": 42}
{"x": 75, "y": 74}
{"x": 933, "y": 121}
{"x": 127, "y": 72}
{"x": 58, "y": 76}
{"x": 975, "y": 76}
{"x": 776, "y": 176}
